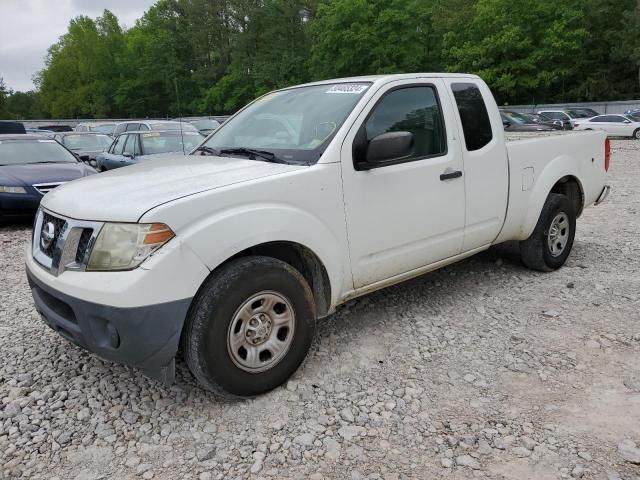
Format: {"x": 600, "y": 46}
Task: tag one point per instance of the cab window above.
{"x": 474, "y": 116}
{"x": 414, "y": 109}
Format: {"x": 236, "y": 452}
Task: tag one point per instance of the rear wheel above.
{"x": 550, "y": 244}
{"x": 250, "y": 327}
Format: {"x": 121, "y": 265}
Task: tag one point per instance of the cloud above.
{"x": 29, "y": 27}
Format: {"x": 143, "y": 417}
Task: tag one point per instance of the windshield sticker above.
{"x": 152, "y": 134}
{"x": 354, "y": 88}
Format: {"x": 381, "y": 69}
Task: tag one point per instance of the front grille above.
{"x": 70, "y": 245}
{"x": 60, "y": 226}
{"x": 83, "y": 244}
{"x": 44, "y": 188}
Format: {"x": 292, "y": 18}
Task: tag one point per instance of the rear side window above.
{"x": 119, "y": 129}
{"x": 473, "y": 115}
{"x": 133, "y": 126}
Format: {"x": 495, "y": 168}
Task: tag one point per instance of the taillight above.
{"x": 607, "y": 154}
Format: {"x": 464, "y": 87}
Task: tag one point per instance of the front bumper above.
{"x": 19, "y": 204}
{"x": 145, "y": 337}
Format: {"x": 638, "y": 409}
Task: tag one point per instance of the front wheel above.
{"x": 250, "y": 327}
{"x": 636, "y": 134}
{"x": 550, "y": 244}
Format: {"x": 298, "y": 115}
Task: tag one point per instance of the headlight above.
{"x": 12, "y": 189}
{"x": 124, "y": 246}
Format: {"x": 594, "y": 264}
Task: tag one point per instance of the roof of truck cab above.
{"x": 387, "y": 78}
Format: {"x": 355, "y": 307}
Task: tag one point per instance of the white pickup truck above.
{"x": 306, "y": 198}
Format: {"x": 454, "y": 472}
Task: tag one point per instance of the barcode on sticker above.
{"x": 355, "y": 88}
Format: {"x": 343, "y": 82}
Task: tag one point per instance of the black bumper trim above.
{"x": 144, "y": 337}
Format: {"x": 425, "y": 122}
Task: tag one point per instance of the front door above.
{"x": 408, "y": 212}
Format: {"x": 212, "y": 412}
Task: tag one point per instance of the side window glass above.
{"x": 119, "y": 128}
{"x": 473, "y": 115}
{"x": 133, "y": 126}
{"x": 135, "y": 141}
{"x": 415, "y": 110}
{"x": 118, "y": 144}
{"x": 129, "y": 146}
{"x": 143, "y": 127}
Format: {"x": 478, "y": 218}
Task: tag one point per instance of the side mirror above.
{"x": 627, "y": 121}
{"x": 506, "y": 123}
{"x": 93, "y": 163}
{"x": 387, "y": 146}
{"x": 128, "y": 155}
{"x": 557, "y": 122}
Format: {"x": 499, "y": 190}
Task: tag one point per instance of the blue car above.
{"x": 31, "y": 166}
{"x": 133, "y": 147}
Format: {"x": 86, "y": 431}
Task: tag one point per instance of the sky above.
{"x": 29, "y": 27}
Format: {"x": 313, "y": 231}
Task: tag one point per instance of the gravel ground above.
{"x": 482, "y": 369}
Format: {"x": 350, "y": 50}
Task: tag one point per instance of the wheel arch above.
{"x": 570, "y": 186}
{"x": 303, "y": 259}
{"x": 298, "y": 256}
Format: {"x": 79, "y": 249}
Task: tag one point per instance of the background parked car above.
{"x": 156, "y": 125}
{"x": 521, "y": 122}
{"x": 11, "y": 127}
{"x": 56, "y": 128}
{"x": 614, "y": 125}
{"x": 586, "y": 112}
{"x": 97, "y": 127}
{"x": 42, "y": 133}
{"x": 634, "y": 116}
{"x": 204, "y": 125}
{"x": 31, "y": 166}
{"x": 568, "y": 117}
{"x": 86, "y": 145}
{"x": 134, "y": 147}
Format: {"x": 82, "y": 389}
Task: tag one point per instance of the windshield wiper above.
{"x": 205, "y": 149}
{"x": 252, "y": 154}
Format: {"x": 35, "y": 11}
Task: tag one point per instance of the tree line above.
{"x": 195, "y": 57}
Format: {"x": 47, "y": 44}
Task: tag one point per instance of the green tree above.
{"x": 525, "y": 51}
{"x": 356, "y": 37}
{"x": 82, "y": 67}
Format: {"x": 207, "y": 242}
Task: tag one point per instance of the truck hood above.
{"x": 125, "y": 194}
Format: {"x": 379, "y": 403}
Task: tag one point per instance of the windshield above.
{"x": 157, "y": 142}
{"x": 518, "y": 118}
{"x": 87, "y": 142}
{"x": 578, "y": 114}
{"x": 205, "y": 124}
{"x": 172, "y": 126}
{"x": 295, "y": 124}
{"x": 21, "y": 152}
{"x": 106, "y": 128}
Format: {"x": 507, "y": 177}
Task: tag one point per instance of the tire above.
{"x": 636, "y": 134}
{"x": 558, "y": 218}
{"x": 225, "y": 317}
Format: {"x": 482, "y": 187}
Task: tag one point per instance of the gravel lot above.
{"x": 482, "y": 369}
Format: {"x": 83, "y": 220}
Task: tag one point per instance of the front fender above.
{"x": 219, "y": 237}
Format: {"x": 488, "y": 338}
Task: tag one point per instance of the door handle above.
{"x": 450, "y": 175}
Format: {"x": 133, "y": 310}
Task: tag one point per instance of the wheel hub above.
{"x": 258, "y": 329}
{"x": 261, "y": 331}
{"x": 558, "y": 235}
